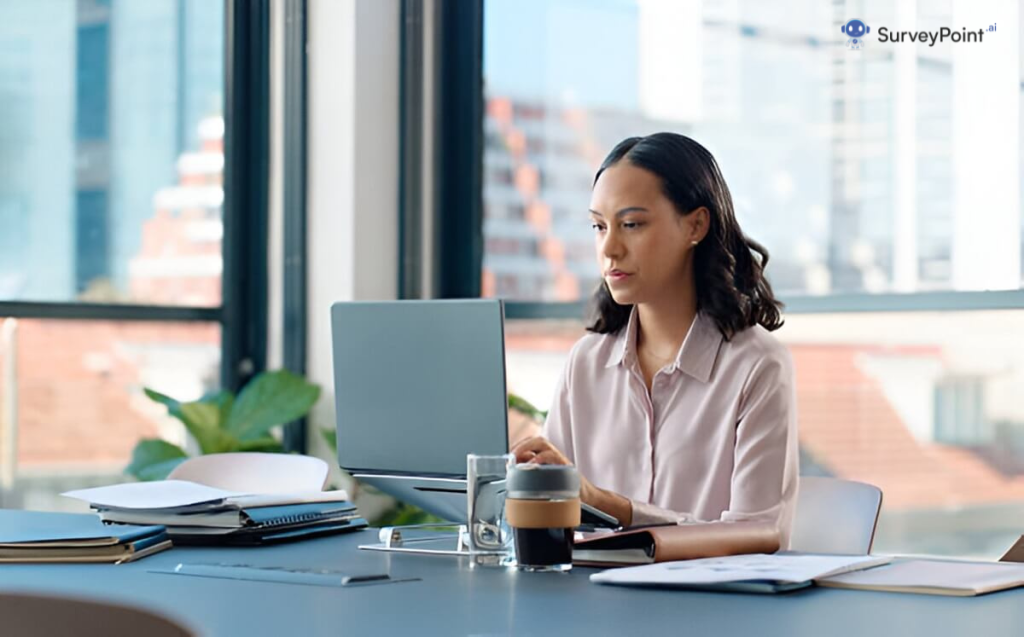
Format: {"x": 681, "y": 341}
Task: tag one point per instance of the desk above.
{"x": 454, "y": 599}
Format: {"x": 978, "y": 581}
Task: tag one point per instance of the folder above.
{"x": 35, "y": 536}
{"x": 668, "y": 543}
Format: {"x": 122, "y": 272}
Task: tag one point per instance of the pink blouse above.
{"x": 714, "y": 439}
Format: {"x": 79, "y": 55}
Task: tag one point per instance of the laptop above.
{"x": 418, "y": 385}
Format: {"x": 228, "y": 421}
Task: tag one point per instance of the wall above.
{"x": 353, "y": 171}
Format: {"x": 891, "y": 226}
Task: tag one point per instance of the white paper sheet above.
{"x": 150, "y": 495}
{"x": 785, "y": 568}
{"x": 167, "y": 494}
{"x": 935, "y": 576}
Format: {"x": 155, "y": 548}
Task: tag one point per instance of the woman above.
{"x": 679, "y": 406}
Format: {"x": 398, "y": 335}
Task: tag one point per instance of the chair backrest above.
{"x": 835, "y": 516}
{"x": 28, "y": 615}
{"x": 255, "y": 472}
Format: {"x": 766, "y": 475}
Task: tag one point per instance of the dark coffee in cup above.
{"x": 542, "y": 505}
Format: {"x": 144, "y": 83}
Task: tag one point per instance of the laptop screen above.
{"x": 418, "y": 385}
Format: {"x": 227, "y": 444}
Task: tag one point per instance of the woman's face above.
{"x": 644, "y": 246}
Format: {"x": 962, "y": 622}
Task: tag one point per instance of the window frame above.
{"x": 295, "y": 291}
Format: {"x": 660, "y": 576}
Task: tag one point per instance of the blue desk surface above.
{"x": 453, "y": 598}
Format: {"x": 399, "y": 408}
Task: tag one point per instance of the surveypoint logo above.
{"x": 855, "y": 31}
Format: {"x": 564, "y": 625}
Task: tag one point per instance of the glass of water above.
{"x": 490, "y": 537}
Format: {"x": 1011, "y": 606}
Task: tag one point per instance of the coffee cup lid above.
{"x": 526, "y": 478}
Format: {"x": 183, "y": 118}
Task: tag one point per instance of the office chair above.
{"x": 835, "y": 516}
{"x": 254, "y": 472}
{"x": 28, "y": 615}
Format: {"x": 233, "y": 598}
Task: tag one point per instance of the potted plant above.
{"x": 222, "y": 422}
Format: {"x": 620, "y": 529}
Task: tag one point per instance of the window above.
{"x": 858, "y": 169}
{"x": 71, "y": 398}
{"x": 875, "y": 179}
{"x": 112, "y": 131}
{"x": 119, "y": 254}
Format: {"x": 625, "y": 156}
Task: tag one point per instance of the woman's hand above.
{"x": 539, "y": 450}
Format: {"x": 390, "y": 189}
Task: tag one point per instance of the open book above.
{"x": 666, "y": 543}
{"x": 746, "y": 573}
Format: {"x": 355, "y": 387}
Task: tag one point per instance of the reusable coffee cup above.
{"x": 542, "y": 505}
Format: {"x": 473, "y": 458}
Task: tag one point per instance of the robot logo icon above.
{"x": 855, "y": 29}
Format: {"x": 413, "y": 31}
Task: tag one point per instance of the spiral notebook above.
{"x": 266, "y": 525}
{"x": 198, "y": 514}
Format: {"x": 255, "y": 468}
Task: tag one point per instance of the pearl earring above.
{"x": 693, "y": 243}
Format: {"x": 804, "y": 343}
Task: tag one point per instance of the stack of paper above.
{"x": 33, "y": 536}
{"x": 198, "y": 514}
{"x": 759, "y": 573}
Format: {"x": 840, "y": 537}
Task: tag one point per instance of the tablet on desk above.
{"x": 591, "y": 519}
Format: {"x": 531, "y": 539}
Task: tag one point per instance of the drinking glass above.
{"x": 490, "y": 538}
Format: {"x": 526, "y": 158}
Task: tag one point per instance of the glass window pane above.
{"x": 111, "y": 153}
{"x": 924, "y": 405}
{"x": 71, "y": 401}
{"x": 887, "y": 169}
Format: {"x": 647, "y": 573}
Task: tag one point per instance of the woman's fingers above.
{"x": 549, "y": 456}
{"x": 539, "y": 450}
{"x": 527, "y": 449}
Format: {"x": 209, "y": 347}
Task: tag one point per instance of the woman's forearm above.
{"x": 611, "y": 503}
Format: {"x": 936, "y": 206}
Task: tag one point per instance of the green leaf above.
{"x": 224, "y": 400}
{"x": 150, "y": 453}
{"x": 524, "y": 406}
{"x": 269, "y": 400}
{"x": 331, "y": 438}
{"x": 203, "y": 421}
{"x": 173, "y": 406}
{"x": 267, "y": 444}
{"x": 403, "y": 514}
{"x": 160, "y": 470}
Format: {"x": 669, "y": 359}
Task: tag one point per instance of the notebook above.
{"x": 666, "y": 543}
{"x": 224, "y": 520}
{"x": 198, "y": 514}
{"x": 269, "y": 525}
{"x": 35, "y": 536}
{"x": 758, "y": 573}
{"x": 933, "y": 577}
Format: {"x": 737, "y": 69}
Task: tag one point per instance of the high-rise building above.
{"x": 37, "y": 149}
{"x": 99, "y": 99}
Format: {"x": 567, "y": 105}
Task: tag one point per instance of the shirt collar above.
{"x": 696, "y": 356}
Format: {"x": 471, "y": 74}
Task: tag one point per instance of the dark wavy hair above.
{"x": 728, "y": 266}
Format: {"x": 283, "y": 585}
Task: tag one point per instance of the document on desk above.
{"x": 934, "y": 577}
{"x": 181, "y": 496}
{"x": 758, "y": 573}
